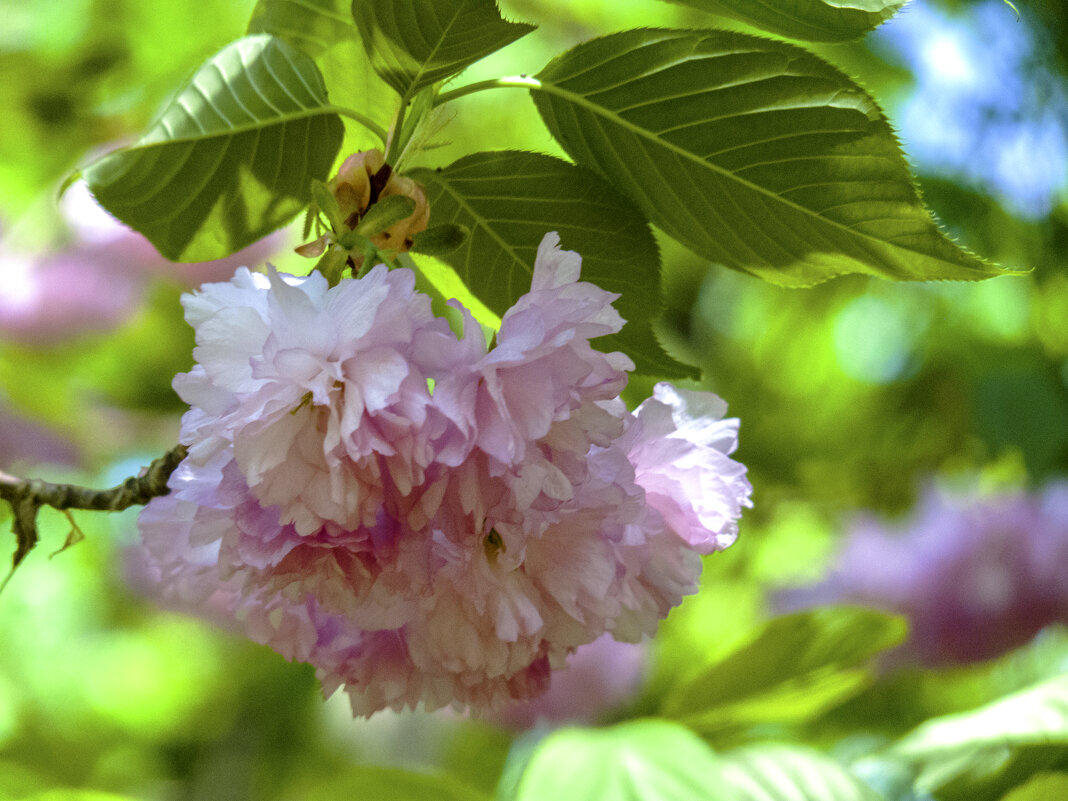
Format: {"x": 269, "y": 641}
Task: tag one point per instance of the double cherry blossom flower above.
{"x": 421, "y": 517}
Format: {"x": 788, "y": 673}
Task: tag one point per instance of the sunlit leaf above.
{"x": 76, "y": 795}
{"x": 1044, "y": 787}
{"x": 987, "y": 774}
{"x": 509, "y": 200}
{"x": 231, "y": 158}
{"x": 19, "y": 781}
{"x": 440, "y": 281}
{"x": 796, "y": 667}
{"x": 956, "y": 744}
{"x": 978, "y": 754}
{"x": 754, "y": 153}
{"x": 774, "y": 772}
{"x": 815, "y": 20}
{"x": 1035, "y": 716}
{"x": 325, "y": 30}
{"x": 313, "y": 26}
{"x": 415, "y": 43}
{"x": 645, "y": 759}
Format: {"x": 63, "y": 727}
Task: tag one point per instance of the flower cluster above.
{"x": 975, "y": 575}
{"x": 421, "y": 517}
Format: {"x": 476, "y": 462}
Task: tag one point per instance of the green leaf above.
{"x": 509, "y": 200}
{"x": 231, "y": 158}
{"x": 754, "y": 153}
{"x": 987, "y": 774}
{"x": 332, "y": 264}
{"x": 325, "y": 30}
{"x": 323, "y": 200}
{"x": 814, "y": 20}
{"x": 1044, "y": 787}
{"x": 796, "y": 667}
{"x": 1035, "y": 716}
{"x": 313, "y": 26}
{"x": 76, "y": 795}
{"x": 416, "y": 43}
{"x": 439, "y": 240}
{"x": 979, "y": 754}
{"x": 644, "y": 759}
{"x": 440, "y": 281}
{"x": 774, "y": 772}
{"x": 384, "y": 213}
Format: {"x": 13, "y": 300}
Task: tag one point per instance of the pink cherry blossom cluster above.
{"x": 421, "y": 517}
{"x": 977, "y": 575}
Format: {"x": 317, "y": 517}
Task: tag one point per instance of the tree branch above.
{"x": 27, "y": 495}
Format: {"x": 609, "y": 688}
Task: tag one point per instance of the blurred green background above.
{"x": 852, "y": 395}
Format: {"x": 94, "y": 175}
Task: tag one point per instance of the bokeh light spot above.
{"x": 872, "y": 340}
{"x": 945, "y": 59}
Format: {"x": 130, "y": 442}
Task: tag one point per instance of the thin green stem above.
{"x": 510, "y": 82}
{"x": 397, "y": 133}
{"x": 365, "y": 121}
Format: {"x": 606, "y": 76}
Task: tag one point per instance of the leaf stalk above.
{"x": 508, "y": 82}
{"x": 364, "y": 120}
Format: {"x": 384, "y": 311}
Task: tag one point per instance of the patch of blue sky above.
{"x": 986, "y": 109}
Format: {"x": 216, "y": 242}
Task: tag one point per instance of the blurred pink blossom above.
{"x": 599, "y": 677}
{"x": 96, "y": 281}
{"x": 976, "y": 575}
{"x": 422, "y": 518}
{"x": 25, "y": 444}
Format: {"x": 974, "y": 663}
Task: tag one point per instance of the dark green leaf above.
{"x": 231, "y": 158}
{"x": 645, "y": 759}
{"x": 796, "y": 667}
{"x": 440, "y": 240}
{"x": 773, "y": 772}
{"x": 510, "y": 200}
{"x": 815, "y": 20}
{"x": 313, "y": 26}
{"x": 324, "y": 29}
{"x": 753, "y": 153}
{"x": 416, "y": 43}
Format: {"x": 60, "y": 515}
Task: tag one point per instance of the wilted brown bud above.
{"x": 352, "y": 184}
{"x": 399, "y": 235}
{"x": 363, "y": 179}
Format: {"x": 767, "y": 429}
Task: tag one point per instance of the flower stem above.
{"x": 396, "y": 133}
